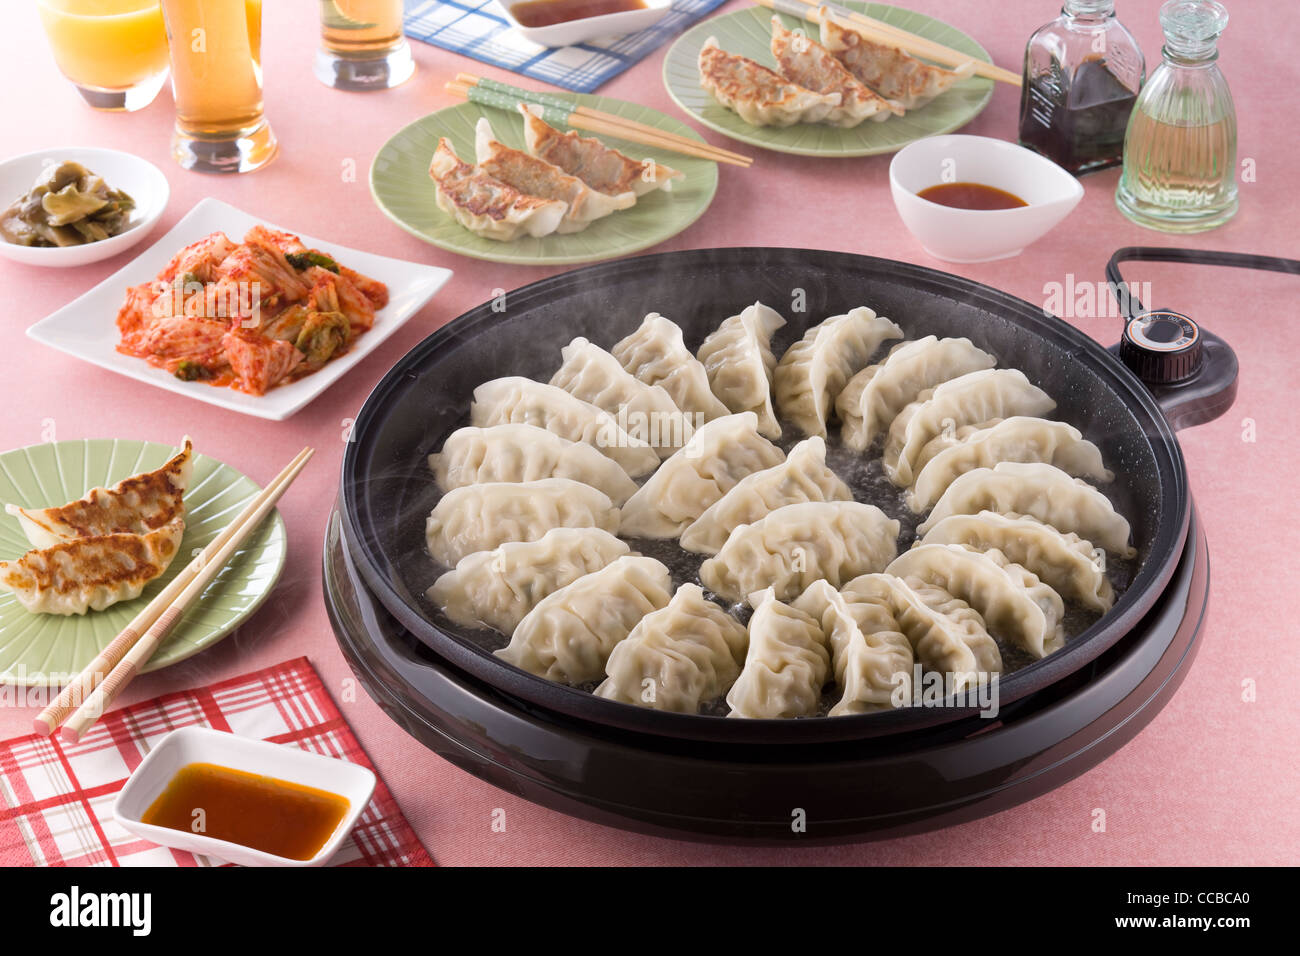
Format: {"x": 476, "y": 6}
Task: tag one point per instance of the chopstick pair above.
{"x": 81, "y": 703}
{"x": 556, "y": 109}
{"x": 878, "y": 31}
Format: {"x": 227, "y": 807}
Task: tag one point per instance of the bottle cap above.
{"x": 1161, "y": 347}
{"x": 1192, "y": 26}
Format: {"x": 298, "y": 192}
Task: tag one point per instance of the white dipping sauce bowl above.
{"x": 138, "y": 178}
{"x": 590, "y": 28}
{"x": 201, "y": 745}
{"x": 979, "y": 235}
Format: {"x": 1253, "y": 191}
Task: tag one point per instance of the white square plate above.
{"x": 87, "y": 326}
{"x": 188, "y": 745}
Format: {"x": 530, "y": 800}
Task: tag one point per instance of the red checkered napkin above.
{"x": 56, "y": 799}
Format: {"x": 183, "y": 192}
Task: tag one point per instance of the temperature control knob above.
{"x": 1162, "y": 347}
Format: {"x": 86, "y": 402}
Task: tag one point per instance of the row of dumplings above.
{"x": 562, "y": 183}
{"x": 90, "y": 554}
{"x": 539, "y": 484}
{"x": 580, "y": 608}
{"x": 842, "y": 81}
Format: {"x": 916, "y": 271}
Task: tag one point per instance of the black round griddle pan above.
{"x": 387, "y": 489}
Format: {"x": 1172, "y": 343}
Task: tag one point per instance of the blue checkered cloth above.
{"x": 478, "y": 29}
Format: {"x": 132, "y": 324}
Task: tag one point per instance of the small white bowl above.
{"x": 590, "y": 28}
{"x": 202, "y": 745}
{"x": 979, "y": 235}
{"x": 139, "y": 178}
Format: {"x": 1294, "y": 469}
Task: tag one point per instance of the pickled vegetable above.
{"x": 68, "y": 206}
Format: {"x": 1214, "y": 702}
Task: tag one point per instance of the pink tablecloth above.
{"x": 1212, "y": 780}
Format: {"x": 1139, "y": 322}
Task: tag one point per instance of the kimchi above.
{"x": 251, "y": 315}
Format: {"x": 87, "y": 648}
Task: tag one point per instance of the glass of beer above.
{"x": 362, "y": 45}
{"x": 216, "y": 58}
{"x": 114, "y": 51}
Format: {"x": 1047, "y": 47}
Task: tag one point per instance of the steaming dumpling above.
{"x": 796, "y": 545}
{"x": 761, "y": 97}
{"x": 1065, "y": 562}
{"x": 717, "y": 457}
{"x": 1019, "y": 438}
{"x": 604, "y": 169}
{"x": 91, "y": 573}
{"x": 813, "y": 370}
{"x": 1010, "y": 598}
{"x": 688, "y": 653}
{"x": 886, "y": 69}
{"x": 873, "y": 398}
{"x": 803, "y": 476}
{"x": 786, "y": 666}
{"x": 486, "y": 206}
{"x": 947, "y": 635}
{"x": 646, "y": 412}
{"x": 481, "y": 517}
{"x": 972, "y": 399}
{"x": 569, "y": 635}
{"x": 497, "y": 588}
{"x": 135, "y": 505}
{"x": 537, "y": 177}
{"x": 739, "y": 361}
{"x": 472, "y": 456}
{"x": 872, "y": 658}
{"x": 521, "y": 401}
{"x": 1041, "y": 491}
{"x": 657, "y": 355}
{"x": 813, "y": 67}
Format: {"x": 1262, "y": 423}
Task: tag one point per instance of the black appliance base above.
{"x": 775, "y": 794}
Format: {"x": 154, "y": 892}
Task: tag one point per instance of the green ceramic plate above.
{"x": 749, "y": 33}
{"x": 400, "y": 183}
{"x": 45, "y": 649}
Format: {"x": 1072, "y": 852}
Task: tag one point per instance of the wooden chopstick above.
{"x": 505, "y": 97}
{"x": 205, "y": 567}
{"x": 880, "y": 32}
{"x": 547, "y": 99}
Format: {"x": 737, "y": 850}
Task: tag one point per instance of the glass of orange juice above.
{"x": 216, "y": 59}
{"x": 114, "y": 51}
{"x": 362, "y": 46}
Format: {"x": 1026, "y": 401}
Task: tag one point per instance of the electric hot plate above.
{"x": 819, "y": 779}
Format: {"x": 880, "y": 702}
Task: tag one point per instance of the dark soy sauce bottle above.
{"x": 1082, "y": 75}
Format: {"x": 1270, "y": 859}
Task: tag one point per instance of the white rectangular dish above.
{"x": 86, "y": 327}
{"x": 589, "y": 28}
{"x": 202, "y": 745}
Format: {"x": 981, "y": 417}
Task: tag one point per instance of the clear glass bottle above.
{"x": 1082, "y": 74}
{"x": 1180, "y": 152}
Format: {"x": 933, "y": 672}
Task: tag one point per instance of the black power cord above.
{"x": 1210, "y": 392}
{"x": 1131, "y": 306}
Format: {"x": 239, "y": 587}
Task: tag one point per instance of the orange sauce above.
{"x": 545, "y": 13}
{"x": 971, "y": 196}
{"x": 264, "y": 813}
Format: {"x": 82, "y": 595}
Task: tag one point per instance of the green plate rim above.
{"x": 183, "y": 651}
{"x": 505, "y": 256}
{"x": 697, "y": 34}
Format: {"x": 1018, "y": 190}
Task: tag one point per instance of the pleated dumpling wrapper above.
{"x": 601, "y": 167}
{"x": 92, "y": 573}
{"x": 135, "y": 505}
{"x": 808, "y": 63}
{"x": 485, "y": 205}
{"x": 537, "y": 177}
{"x": 907, "y": 81}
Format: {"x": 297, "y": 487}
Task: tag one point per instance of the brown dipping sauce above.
{"x": 274, "y": 816}
{"x": 545, "y": 13}
{"x": 971, "y": 196}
